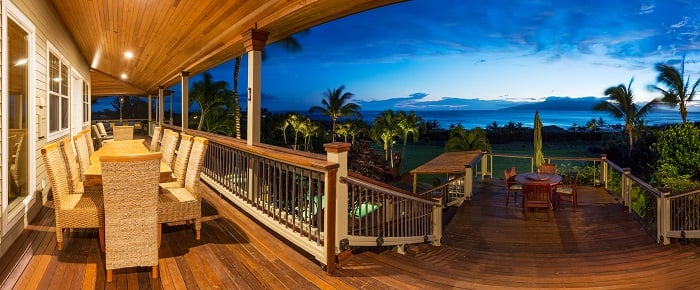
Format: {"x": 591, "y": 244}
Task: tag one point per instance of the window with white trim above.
{"x": 59, "y": 100}
{"x": 86, "y": 102}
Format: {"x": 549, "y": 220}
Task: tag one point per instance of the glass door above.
{"x": 16, "y": 117}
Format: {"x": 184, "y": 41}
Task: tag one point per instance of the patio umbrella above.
{"x": 539, "y": 158}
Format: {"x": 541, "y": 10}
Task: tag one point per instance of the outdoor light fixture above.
{"x": 121, "y": 106}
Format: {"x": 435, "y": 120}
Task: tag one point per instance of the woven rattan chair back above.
{"x": 71, "y": 162}
{"x": 101, "y": 127}
{"x": 194, "y": 165}
{"x": 155, "y": 140}
{"x": 83, "y": 154}
{"x": 183, "y": 156}
{"x": 123, "y": 133}
{"x": 72, "y": 210}
{"x": 98, "y": 136}
{"x": 168, "y": 146}
{"x": 130, "y": 189}
{"x": 88, "y": 141}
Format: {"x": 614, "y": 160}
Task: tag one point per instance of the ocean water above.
{"x": 563, "y": 119}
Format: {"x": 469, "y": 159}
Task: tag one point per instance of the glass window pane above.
{"x": 18, "y": 89}
{"x": 64, "y": 113}
{"x": 54, "y": 109}
{"x": 64, "y": 79}
{"x": 54, "y": 80}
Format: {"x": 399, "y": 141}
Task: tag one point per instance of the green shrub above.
{"x": 678, "y": 150}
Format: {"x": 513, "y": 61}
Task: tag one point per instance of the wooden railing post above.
{"x": 604, "y": 169}
{"x": 336, "y": 225}
{"x": 468, "y": 181}
{"x": 437, "y": 223}
{"x": 484, "y": 167}
{"x": 663, "y": 216}
{"x": 625, "y": 187}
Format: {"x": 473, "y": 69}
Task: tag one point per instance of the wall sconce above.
{"x": 250, "y": 94}
{"x": 42, "y": 102}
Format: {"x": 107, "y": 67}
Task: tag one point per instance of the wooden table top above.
{"x": 534, "y": 178}
{"x": 93, "y": 175}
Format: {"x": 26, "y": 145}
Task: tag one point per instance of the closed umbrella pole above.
{"x": 537, "y": 132}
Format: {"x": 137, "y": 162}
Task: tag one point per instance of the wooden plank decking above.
{"x": 485, "y": 245}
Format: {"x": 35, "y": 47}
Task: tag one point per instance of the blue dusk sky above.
{"x": 428, "y": 50}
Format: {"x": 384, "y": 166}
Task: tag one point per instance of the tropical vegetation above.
{"x": 676, "y": 89}
{"x": 336, "y": 104}
{"x": 620, "y": 103}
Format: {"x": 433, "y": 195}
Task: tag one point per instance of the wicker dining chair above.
{"x": 131, "y": 212}
{"x": 103, "y": 131}
{"x": 185, "y": 203}
{"x": 548, "y": 168}
{"x": 168, "y": 146}
{"x": 155, "y": 140}
{"x": 512, "y": 186}
{"x": 73, "y": 210}
{"x": 123, "y": 133}
{"x": 71, "y": 161}
{"x": 88, "y": 141}
{"x": 83, "y": 154}
{"x": 180, "y": 163}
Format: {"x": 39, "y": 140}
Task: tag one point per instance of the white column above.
{"x": 161, "y": 104}
{"x": 254, "y": 41}
{"x": 185, "y": 98}
{"x": 150, "y": 107}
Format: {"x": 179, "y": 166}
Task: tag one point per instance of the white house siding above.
{"x": 48, "y": 28}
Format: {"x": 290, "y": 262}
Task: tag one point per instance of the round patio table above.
{"x": 538, "y": 178}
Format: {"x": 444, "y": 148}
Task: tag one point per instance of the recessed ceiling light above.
{"x": 124, "y": 76}
{"x": 129, "y": 55}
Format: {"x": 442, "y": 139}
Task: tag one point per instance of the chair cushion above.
{"x": 566, "y": 190}
{"x": 516, "y": 186}
{"x": 179, "y": 194}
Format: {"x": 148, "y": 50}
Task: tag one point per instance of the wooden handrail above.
{"x": 387, "y": 189}
{"x": 304, "y": 159}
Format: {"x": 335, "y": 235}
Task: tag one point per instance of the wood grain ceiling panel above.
{"x": 170, "y": 36}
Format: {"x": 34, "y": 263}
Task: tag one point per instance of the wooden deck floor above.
{"x": 485, "y": 245}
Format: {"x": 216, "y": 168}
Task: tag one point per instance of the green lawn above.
{"x": 417, "y": 154}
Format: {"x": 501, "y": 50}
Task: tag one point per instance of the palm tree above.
{"x": 296, "y": 121}
{"x": 384, "y": 130}
{"x": 336, "y": 105}
{"x": 464, "y": 140}
{"x": 677, "y": 92}
{"x": 290, "y": 44}
{"x": 408, "y": 124}
{"x": 209, "y": 95}
{"x": 343, "y": 130}
{"x": 620, "y": 104}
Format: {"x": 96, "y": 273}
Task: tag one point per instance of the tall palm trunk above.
{"x": 236, "y": 104}
{"x": 629, "y": 129}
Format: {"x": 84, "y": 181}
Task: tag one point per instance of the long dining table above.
{"x": 93, "y": 175}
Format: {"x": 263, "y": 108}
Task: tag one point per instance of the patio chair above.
{"x": 131, "y": 212}
{"x": 71, "y": 160}
{"x": 155, "y": 140}
{"x": 548, "y": 168}
{"x": 568, "y": 193}
{"x": 185, "y": 203}
{"x": 511, "y": 184}
{"x": 168, "y": 145}
{"x": 73, "y": 210}
{"x": 103, "y": 132}
{"x": 180, "y": 164}
{"x": 88, "y": 141}
{"x": 83, "y": 154}
{"x": 537, "y": 195}
{"x": 123, "y": 133}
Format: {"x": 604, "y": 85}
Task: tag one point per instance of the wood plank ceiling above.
{"x": 167, "y": 37}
